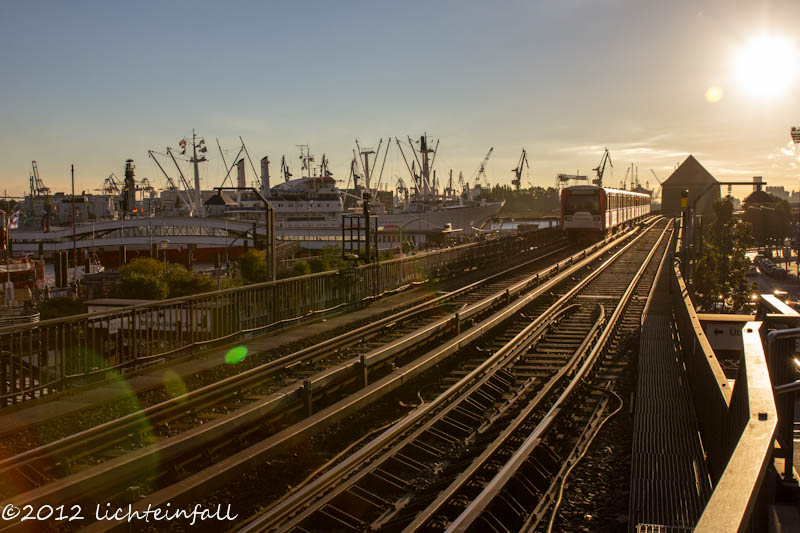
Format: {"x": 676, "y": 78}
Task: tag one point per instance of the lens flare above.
{"x": 714, "y": 94}
{"x": 174, "y": 384}
{"x": 236, "y": 355}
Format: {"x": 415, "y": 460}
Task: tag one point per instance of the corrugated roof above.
{"x": 691, "y": 172}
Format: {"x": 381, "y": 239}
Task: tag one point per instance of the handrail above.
{"x": 737, "y": 427}
{"x": 736, "y": 495}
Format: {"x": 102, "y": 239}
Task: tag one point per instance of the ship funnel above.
{"x": 240, "y": 178}
{"x": 265, "y": 175}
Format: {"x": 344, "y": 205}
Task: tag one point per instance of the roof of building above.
{"x": 691, "y": 172}
{"x": 760, "y": 197}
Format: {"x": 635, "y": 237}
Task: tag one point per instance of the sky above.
{"x": 95, "y": 83}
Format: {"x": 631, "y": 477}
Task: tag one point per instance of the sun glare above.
{"x": 767, "y": 66}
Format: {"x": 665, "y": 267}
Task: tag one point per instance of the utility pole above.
{"x": 74, "y": 236}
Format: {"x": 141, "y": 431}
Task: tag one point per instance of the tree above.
{"x": 150, "y": 279}
{"x": 300, "y": 268}
{"x": 135, "y": 285}
{"x": 771, "y": 220}
{"x": 181, "y": 282}
{"x": 721, "y": 268}
{"x": 253, "y": 266}
{"x": 318, "y": 264}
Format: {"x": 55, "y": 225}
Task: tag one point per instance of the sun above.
{"x": 766, "y": 66}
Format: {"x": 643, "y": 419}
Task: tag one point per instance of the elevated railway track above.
{"x": 233, "y": 437}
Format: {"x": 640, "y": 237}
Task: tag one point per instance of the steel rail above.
{"x": 200, "y": 483}
{"x": 445, "y": 495}
{"x": 323, "y": 483}
{"x": 129, "y": 466}
{"x": 493, "y": 487}
{"x": 143, "y": 419}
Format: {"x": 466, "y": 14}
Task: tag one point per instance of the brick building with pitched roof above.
{"x": 704, "y": 189}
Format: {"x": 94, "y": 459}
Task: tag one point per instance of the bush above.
{"x": 253, "y": 267}
{"x": 150, "y": 279}
{"x": 181, "y": 282}
{"x": 135, "y": 285}
{"x": 300, "y": 268}
{"x": 318, "y": 264}
{"x": 145, "y": 266}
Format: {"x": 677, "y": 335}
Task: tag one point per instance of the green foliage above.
{"x": 144, "y": 265}
{"x": 150, "y": 279}
{"x": 318, "y": 264}
{"x": 60, "y": 307}
{"x": 721, "y": 268}
{"x": 771, "y": 221}
{"x": 181, "y": 282}
{"x": 253, "y": 266}
{"x": 135, "y": 285}
{"x": 333, "y": 256}
{"x": 7, "y": 205}
{"x": 300, "y": 268}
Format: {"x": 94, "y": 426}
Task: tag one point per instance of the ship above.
{"x": 185, "y": 223}
{"x": 424, "y": 208}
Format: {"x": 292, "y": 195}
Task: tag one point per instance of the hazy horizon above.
{"x": 94, "y": 83}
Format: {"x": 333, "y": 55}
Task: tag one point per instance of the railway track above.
{"x": 232, "y": 434}
{"x": 490, "y": 449}
{"x": 180, "y": 414}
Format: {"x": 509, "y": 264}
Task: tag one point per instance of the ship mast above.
{"x": 195, "y": 161}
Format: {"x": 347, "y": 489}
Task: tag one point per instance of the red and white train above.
{"x": 589, "y": 212}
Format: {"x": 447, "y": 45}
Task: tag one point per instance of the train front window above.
{"x": 583, "y": 203}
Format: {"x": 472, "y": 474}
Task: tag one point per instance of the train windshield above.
{"x": 582, "y": 203}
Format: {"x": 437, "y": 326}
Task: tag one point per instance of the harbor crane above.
{"x": 354, "y": 173}
{"x": 401, "y": 190}
{"x": 111, "y": 185}
{"x": 481, "y": 172}
{"x": 655, "y": 176}
{"x": 562, "y": 180}
{"x": 656, "y": 194}
{"x": 37, "y": 185}
{"x": 523, "y": 160}
{"x": 285, "y": 169}
{"x": 601, "y": 168}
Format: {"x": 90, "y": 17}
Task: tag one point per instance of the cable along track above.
{"x": 425, "y": 471}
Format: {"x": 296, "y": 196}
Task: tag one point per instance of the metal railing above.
{"x": 45, "y": 357}
{"x": 737, "y": 426}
